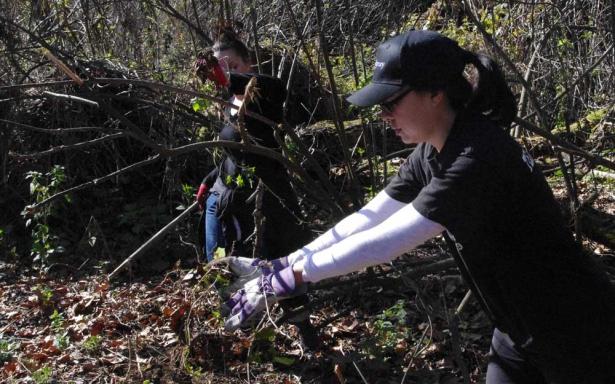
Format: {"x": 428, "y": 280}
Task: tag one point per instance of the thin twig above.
{"x": 97, "y": 181}
{"x": 566, "y": 146}
{"x": 414, "y": 354}
{"x": 339, "y": 123}
{"x": 62, "y": 148}
{"x": 71, "y": 98}
{"x": 580, "y": 78}
{"x": 511, "y": 66}
{"x": 56, "y": 131}
{"x": 143, "y": 83}
{"x": 258, "y": 219}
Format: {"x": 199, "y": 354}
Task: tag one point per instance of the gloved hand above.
{"x": 260, "y": 293}
{"x": 208, "y": 68}
{"x": 246, "y": 269}
{"x": 200, "y": 196}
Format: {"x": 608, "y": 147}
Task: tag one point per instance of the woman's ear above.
{"x": 437, "y": 97}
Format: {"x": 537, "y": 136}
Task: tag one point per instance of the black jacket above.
{"x": 237, "y": 175}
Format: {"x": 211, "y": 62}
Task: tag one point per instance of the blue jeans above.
{"x": 213, "y": 229}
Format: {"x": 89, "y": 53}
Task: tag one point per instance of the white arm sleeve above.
{"x": 401, "y": 232}
{"x": 372, "y": 214}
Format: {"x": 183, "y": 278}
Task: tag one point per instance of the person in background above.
{"x": 235, "y": 56}
{"x": 228, "y": 218}
{"x": 552, "y": 307}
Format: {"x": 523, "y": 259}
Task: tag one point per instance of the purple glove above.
{"x": 246, "y": 269}
{"x": 245, "y": 266}
{"x": 260, "y": 293}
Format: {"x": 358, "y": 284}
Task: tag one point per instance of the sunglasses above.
{"x": 389, "y": 106}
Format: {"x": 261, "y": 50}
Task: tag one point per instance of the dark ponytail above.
{"x": 228, "y": 39}
{"x": 491, "y": 95}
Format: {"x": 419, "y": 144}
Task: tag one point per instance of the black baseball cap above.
{"x": 420, "y": 60}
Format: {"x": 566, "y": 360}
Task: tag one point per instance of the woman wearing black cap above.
{"x": 552, "y": 307}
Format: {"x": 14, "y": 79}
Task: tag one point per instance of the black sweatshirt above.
{"x": 236, "y": 171}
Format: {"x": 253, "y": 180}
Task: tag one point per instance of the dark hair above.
{"x": 228, "y": 39}
{"x": 489, "y": 95}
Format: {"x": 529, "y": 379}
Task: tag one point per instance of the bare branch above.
{"x": 35, "y": 85}
{"x": 148, "y": 84}
{"x": 61, "y": 148}
{"x": 504, "y": 56}
{"x": 565, "y": 146}
{"x": 57, "y": 131}
{"x": 97, "y": 181}
{"x": 71, "y": 98}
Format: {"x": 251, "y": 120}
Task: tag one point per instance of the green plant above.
{"x": 57, "y": 325}
{"x": 44, "y": 294}
{"x": 495, "y": 18}
{"x": 57, "y": 321}
{"x": 597, "y": 115}
{"x": 199, "y": 104}
{"x": 42, "y": 375}
{"x": 246, "y": 177}
{"x": 92, "y": 343}
{"x": 7, "y": 349}
{"x": 390, "y": 328}
{"x": 43, "y": 186}
{"x": 191, "y": 370}
{"x": 218, "y": 279}
{"x": 188, "y": 192}
{"x": 263, "y": 349}
{"x": 61, "y": 341}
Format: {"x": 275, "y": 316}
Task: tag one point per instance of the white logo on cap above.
{"x": 379, "y": 64}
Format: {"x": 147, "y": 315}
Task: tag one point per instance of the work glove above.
{"x": 259, "y": 294}
{"x": 200, "y": 196}
{"x": 208, "y": 68}
{"x": 245, "y": 269}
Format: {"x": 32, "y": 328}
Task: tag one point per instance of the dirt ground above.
{"x": 385, "y": 325}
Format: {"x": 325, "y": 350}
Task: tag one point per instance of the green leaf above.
{"x": 286, "y": 361}
{"x": 240, "y": 182}
{"x": 43, "y": 375}
{"x": 219, "y": 253}
{"x": 222, "y": 281}
{"x": 596, "y": 116}
{"x": 267, "y": 334}
{"x": 199, "y": 104}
